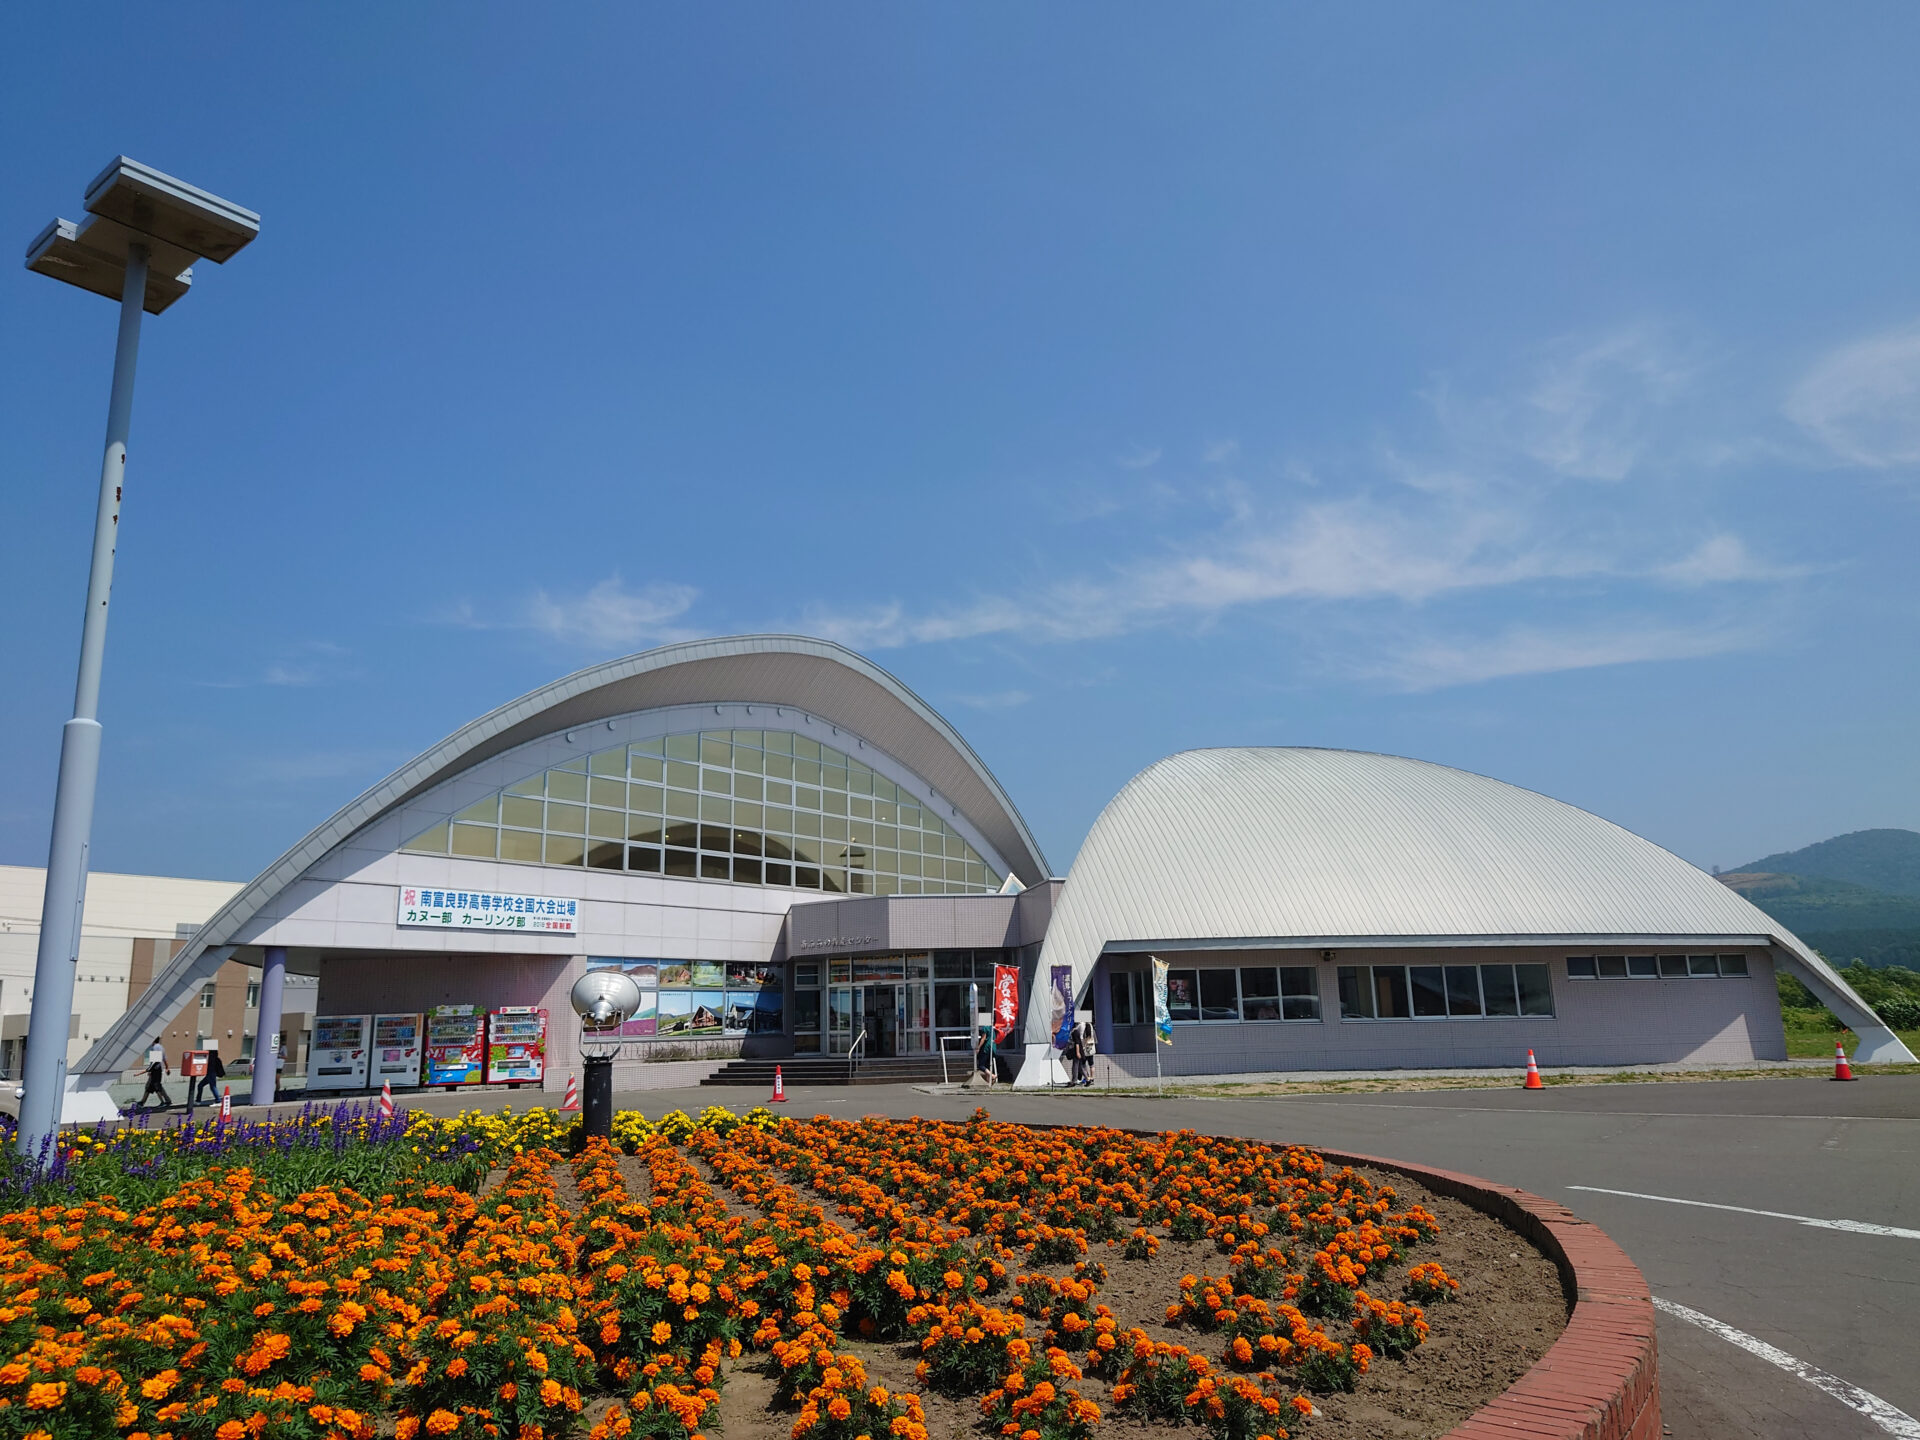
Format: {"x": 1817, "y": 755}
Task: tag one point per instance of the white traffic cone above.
{"x": 779, "y": 1087}
{"x": 572, "y": 1102}
{"x": 386, "y": 1099}
{"x": 226, "y": 1104}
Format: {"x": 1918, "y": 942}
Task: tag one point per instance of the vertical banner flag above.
{"x": 1006, "y": 1000}
{"x": 1162, "y": 1016}
{"x": 1061, "y": 1016}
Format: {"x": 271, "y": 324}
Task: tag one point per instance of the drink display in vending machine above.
{"x": 456, "y": 1045}
{"x": 516, "y": 1045}
{"x": 337, "y": 1057}
{"x": 396, "y": 1050}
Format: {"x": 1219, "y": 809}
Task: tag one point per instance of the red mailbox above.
{"x": 193, "y": 1064}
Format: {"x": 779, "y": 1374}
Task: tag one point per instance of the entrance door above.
{"x": 883, "y": 1026}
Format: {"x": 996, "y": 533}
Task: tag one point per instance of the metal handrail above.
{"x": 853, "y": 1052}
{"x": 945, "y": 1040}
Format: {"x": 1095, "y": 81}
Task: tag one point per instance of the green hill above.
{"x": 1852, "y": 897}
{"x": 1886, "y": 860}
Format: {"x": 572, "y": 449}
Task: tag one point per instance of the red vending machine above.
{"x": 456, "y": 1045}
{"x": 516, "y": 1045}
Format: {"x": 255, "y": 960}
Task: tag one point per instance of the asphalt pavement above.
{"x": 1839, "y": 1301}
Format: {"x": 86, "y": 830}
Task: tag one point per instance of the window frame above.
{"x": 1354, "y": 983}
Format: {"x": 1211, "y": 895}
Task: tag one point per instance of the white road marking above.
{"x": 1889, "y": 1418}
{"x": 1517, "y": 1110}
{"x": 1856, "y": 1227}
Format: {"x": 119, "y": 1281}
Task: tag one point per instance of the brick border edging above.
{"x": 1601, "y": 1379}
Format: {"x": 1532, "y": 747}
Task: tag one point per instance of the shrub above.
{"x": 1428, "y": 1283}
{"x": 1035, "y": 1399}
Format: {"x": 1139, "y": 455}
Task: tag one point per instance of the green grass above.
{"x": 1815, "y": 1042}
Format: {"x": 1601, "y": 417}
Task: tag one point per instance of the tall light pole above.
{"x": 137, "y": 245}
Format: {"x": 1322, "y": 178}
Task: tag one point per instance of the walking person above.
{"x": 1089, "y": 1047}
{"x": 983, "y": 1065}
{"x": 215, "y": 1072}
{"x": 157, "y": 1068}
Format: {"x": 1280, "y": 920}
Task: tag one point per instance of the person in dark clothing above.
{"x": 215, "y": 1072}
{"x": 156, "y": 1076}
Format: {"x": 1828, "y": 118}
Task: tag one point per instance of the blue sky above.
{"x": 1522, "y": 388}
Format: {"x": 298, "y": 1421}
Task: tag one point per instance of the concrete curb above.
{"x": 1601, "y": 1379}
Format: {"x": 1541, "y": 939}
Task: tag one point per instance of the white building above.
{"x": 1329, "y": 909}
{"x": 131, "y": 927}
{"x": 789, "y": 850}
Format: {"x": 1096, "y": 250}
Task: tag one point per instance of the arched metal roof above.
{"x": 818, "y": 677}
{"x": 1304, "y": 847}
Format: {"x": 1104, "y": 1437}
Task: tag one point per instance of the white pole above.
{"x": 44, "y": 1077}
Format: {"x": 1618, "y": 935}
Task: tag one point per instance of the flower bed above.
{"x": 195, "y": 1284}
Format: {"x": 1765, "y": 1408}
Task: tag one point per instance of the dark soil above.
{"x": 1508, "y": 1311}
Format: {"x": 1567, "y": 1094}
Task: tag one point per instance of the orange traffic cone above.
{"x": 572, "y": 1102}
{"x": 779, "y": 1087}
{"x": 1533, "y": 1075}
{"x": 1841, "y": 1069}
{"x": 386, "y": 1099}
{"x": 226, "y": 1104}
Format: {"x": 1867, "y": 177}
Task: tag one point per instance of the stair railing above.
{"x": 853, "y": 1052}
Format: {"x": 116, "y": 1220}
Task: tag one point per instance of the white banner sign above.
{"x": 479, "y": 910}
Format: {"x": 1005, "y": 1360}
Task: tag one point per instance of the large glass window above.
{"x": 1651, "y": 967}
{"x": 721, "y": 802}
{"x": 1402, "y": 992}
{"x": 1260, "y": 994}
{"x": 1299, "y": 993}
{"x": 1221, "y": 993}
{"x": 1183, "y": 995}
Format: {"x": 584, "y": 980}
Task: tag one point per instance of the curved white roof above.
{"x": 1302, "y": 847}
{"x": 815, "y": 676}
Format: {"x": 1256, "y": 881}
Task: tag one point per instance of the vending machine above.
{"x": 456, "y": 1045}
{"x": 516, "y": 1045}
{"x": 337, "y": 1057}
{"x": 396, "y": 1050}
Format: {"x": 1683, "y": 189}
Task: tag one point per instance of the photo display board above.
{"x": 701, "y": 999}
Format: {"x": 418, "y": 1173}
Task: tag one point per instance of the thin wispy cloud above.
{"x": 607, "y": 617}
{"x": 1862, "y": 401}
{"x": 1725, "y": 560}
{"x": 306, "y": 665}
{"x": 1140, "y": 457}
{"x": 1434, "y": 664}
{"x": 1500, "y": 501}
